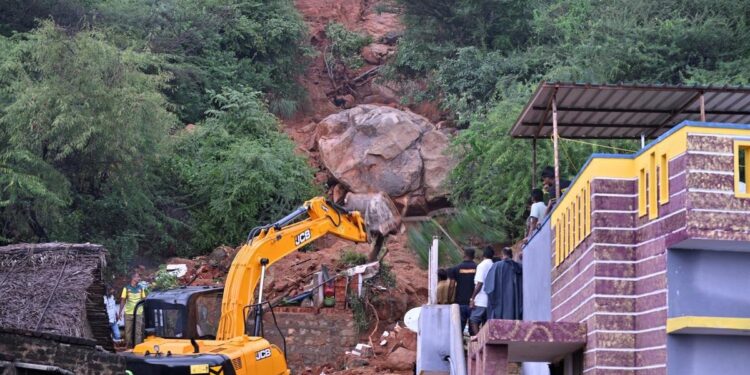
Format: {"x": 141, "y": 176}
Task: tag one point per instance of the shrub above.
{"x": 345, "y": 46}
{"x": 164, "y": 280}
{"x": 350, "y": 258}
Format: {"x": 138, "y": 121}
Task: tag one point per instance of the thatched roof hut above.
{"x": 56, "y": 288}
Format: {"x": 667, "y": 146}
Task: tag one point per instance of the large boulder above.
{"x": 372, "y": 148}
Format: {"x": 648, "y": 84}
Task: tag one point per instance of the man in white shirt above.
{"x": 112, "y": 313}
{"x": 538, "y": 211}
{"x": 478, "y": 301}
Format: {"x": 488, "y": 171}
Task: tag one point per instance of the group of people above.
{"x": 131, "y": 294}
{"x": 491, "y": 289}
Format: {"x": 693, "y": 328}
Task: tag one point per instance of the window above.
{"x": 208, "y": 311}
{"x": 168, "y": 322}
{"x": 741, "y": 170}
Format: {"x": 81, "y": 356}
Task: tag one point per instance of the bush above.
{"x": 82, "y": 128}
{"x": 350, "y": 258}
{"x": 239, "y": 169}
{"x": 212, "y": 44}
{"x": 164, "y": 280}
{"x": 471, "y": 226}
{"x": 386, "y": 276}
{"x": 360, "y": 312}
{"x": 345, "y": 46}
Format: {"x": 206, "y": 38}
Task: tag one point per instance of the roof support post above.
{"x": 703, "y": 108}
{"x": 533, "y": 163}
{"x": 554, "y": 144}
{"x": 676, "y": 112}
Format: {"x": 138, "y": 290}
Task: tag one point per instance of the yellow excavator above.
{"x": 202, "y": 330}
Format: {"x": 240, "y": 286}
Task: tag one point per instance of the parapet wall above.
{"x": 313, "y": 338}
{"x": 79, "y": 356}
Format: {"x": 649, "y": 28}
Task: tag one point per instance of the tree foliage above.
{"x": 91, "y": 146}
{"x": 212, "y": 44}
{"x": 484, "y": 69}
{"x": 345, "y": 46}
{"x": 204, "y": 44}
{"x": 240, "y": 170}
{"x": 82, "y": 130}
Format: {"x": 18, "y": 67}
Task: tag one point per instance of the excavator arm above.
{"x": 268, "y": 244}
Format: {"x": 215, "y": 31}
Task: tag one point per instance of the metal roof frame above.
{"x": 626, "y": 111}
{"x": 622, "y": 111}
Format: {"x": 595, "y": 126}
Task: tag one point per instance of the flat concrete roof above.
{"x": 533, "y": 341}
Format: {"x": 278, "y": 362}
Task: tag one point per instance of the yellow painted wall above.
{"x": 649, "y": 167}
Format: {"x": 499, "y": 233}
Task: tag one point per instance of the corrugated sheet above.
{"x": 626, "y": 111}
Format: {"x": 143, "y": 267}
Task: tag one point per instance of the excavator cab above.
{"x": 191, "y": 312}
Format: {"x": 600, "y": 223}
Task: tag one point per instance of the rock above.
{"x": 349, "y": 101}
{"x": 438, "y": 163}
{"x": 378, "y": 210}
{"x": 339, "y": 193}
{"x": 221, "y": 257}
{"x": 407, "y": 338}
{"x": 401, "y": 359}
{"x": 369, "y": 56}
{"x": 375, "y": 53}
{"x": 381, "y": 94}
{"x": 373, "y": 148}
{"x": 391, "y": 38}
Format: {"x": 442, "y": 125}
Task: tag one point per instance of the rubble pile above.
{"x": 395, "y": 352}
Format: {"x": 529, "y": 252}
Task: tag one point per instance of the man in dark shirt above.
{"x": 504, "y": 288}
{"x": 464, "y": 276}
{"x": 548, "y": 181}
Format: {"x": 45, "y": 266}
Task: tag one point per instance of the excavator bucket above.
{"x": 380, "y": 214}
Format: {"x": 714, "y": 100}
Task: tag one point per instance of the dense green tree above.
{"x": 24, "y": 15}
{"x": 484, "y": 72}
{"x": 240, "y": 169}
{"x": 212, "y": 44}
{"x": 81, "y": 132}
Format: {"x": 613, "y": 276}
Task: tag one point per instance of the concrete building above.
{"x": 647, "y": 252}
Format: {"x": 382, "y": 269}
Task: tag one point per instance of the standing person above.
{"x": 504, "y": 288}
{"x": 478, "y": 302}
{"x": 548, "y": 180}
{"x": 131, "y": 295}
{"x": 112, "y": 314}
{"x": 537, "y": 214}
{"x": 464, "y": 273}
{"x": 446, "y": 288}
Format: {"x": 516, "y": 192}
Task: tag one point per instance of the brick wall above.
{"x": 314, "y": 337}
{"x": 79, "y": 356}
{"x": 615, "y": 280}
